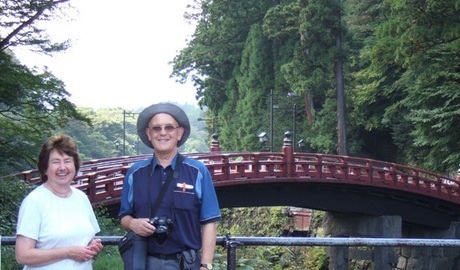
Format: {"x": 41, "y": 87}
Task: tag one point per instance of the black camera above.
{"x": 164, "y": 226}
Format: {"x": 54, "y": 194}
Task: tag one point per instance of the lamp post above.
{"x": 302, "y": 144}
{"x": 126, "y": 114}
{"x": 263, "y": 139}
{"x": 117, "y": 144}
{"x": 135, "y": 146}
{"x": 271, "y": 120}
{"x": 213, "y": 122}
{"x": 294, "y": 108}
{"x": 294, "y": 116}
{"x": 272, "y": 106}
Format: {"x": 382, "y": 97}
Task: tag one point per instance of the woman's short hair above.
{"x": 64, "y": 144}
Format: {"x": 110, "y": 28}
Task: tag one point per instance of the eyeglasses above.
{"x": 167, "y": 128}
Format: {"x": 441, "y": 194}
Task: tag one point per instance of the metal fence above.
{"x": 231, "y": 243}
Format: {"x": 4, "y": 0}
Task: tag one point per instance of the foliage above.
{"x": 213, "y": 58}
{"x": 109, "y": 258}
{"x": 33, "y": 102}
{"x": 401, "y": 67}
{"x": 429, "y": 38}
{"x": 319, "y": 259}
{"x": 268, "y": 222}
{"x": 239, "y": 221}
{"x": 20, "y": 23}
{"x": 253, "y": 80}
{"x": 12, "y": 192}
{"x": 409, "y": 91}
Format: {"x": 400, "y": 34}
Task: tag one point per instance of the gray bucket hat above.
{"x": 146, "y": 115}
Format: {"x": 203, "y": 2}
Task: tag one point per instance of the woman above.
{"x": 56, "y": 223}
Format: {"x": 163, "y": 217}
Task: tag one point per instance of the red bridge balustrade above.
{"x": 102, "y": 179}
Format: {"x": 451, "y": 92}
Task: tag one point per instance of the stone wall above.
{"x": 389, "y": 258}
{"x": 421, "y": 258}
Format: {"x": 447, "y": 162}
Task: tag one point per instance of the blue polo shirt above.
{"x": 189, "y": 202}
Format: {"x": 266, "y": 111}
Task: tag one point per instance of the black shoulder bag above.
{"x": 133, "y": 247}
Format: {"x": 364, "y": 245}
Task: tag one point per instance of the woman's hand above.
{"x": 96, "y": 245}
{"x": 28, "y": 254}
{"x": 82, "y": 254}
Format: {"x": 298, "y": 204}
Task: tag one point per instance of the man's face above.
{"x": 164, "y": 133}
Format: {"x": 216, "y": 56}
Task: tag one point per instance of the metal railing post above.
{"x": 230, "y": 245}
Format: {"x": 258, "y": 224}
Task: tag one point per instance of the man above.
{"x": 190, "y": 201}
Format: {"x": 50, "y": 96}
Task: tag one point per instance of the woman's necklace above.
{"x": 64, "y": 194}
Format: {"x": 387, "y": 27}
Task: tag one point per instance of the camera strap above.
{"x": 165, "y": 185}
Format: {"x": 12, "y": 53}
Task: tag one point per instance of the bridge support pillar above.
{"x": 351, "y": 225}
{"x": 338, "y": 258}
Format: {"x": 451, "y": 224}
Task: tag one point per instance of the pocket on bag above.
{"x": 133, "y": 251}
{"x": 190, "y": 259}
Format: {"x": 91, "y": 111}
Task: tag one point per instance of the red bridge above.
{"x": 314, "y": 181}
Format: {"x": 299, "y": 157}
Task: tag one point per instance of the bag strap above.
{"x": 174, "y": 175}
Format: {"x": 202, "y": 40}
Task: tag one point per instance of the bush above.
{"x": 267, "y": 222}
{"x": 109, "y": 258}
{"x": 12, "y": 191}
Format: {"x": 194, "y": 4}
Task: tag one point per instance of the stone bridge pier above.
{"x": 389, "y": 258}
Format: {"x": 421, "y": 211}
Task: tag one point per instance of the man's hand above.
{"x": 142, "y": 226}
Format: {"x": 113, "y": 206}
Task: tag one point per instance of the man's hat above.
{"x": 146, "y": 115}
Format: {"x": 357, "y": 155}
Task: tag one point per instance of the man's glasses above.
{"x": 167, "y": 128}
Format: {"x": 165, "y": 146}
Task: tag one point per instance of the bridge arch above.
{"x": 316, "y": 181}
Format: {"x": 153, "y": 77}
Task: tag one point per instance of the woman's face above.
{"x": 61, "y": 168}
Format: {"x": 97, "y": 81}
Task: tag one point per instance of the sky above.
{"x": 120, "y": 53}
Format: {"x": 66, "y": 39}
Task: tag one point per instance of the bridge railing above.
{"x": 88, "y": 166}
{"x": 102, "y": 179}
{"x": 244, "y": 165}
{"x": 377, "y": 173}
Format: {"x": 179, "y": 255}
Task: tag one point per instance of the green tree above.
{"x": 254, "y": 81}
{"x": 305, "y": 33}
{"x": 20, "y": 24}
{"x": 400, "y": 64}
{"x": 408, "y": 93}
{"x": 236, "y": 64}
{"x": 429, "y": 38}
{"x": 213, "y": 57}
{"x": 33, "y": 102}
